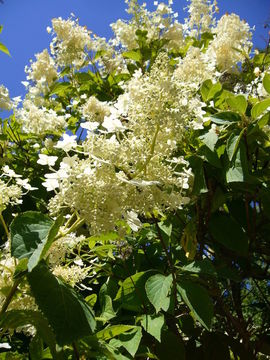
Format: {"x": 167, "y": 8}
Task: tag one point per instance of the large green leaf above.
{"x": 153, "y": 325}
{"x": 204, "y": 267}
{"x": 171, "y": 347}
{"x": 229, "y": 233}
{"x": 14, "y": 319}
{"x": 133, "y": 55}
{"x": 237, "y": 170}
{"x": 67, "y": 312}
{"x": 129, "y": 340}
{"x": 233, "y": 144}
{"x": 266, "y": 82}
{"x": 132, "y": 291}
{"x": 32, "y": 234}
{"x": 238, "y": 103}
{"x": 157, "y": 289}
{"x": 61, "y": 89}
{"x": 199, "y": 302}
{"x": 209, "y": 90}
{"x": 260, "y": 107}
{"x": 210, "y": 139}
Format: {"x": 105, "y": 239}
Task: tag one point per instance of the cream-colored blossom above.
{"x": 43, "y": 69}
{"x": 232, "y": 42}
{"x": 95, "y": 110}
{"x": 70, "y": 43}
{"x": 38, "y": 120}
{"x": 5, "y": 102}
{"x": 10, "y": 194}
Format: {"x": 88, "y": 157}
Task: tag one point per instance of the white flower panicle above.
{"x": 39, "y": 120}
{"x": 200, "y": 18}
{"x": 232, "y": 42}
{"x": 43, "y": 70}
{"x": 70, "y": 43}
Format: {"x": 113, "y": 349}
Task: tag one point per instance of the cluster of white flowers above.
{"x": 95, "y": 110}
{"x": 39, "y": 120}
{"x": 9, "y": 195}
{"x": 232, "y": 42}
{"x": 200, "y": 18}
{"x": 161, "y": 23}
{"x": 62, "y": 247}
{"x": 72, "y": 275}
{"x": 5, "y": 102}
{"x": 11, "y": 191}
{"x": 127, "y": 162}
{"x": 43, "y": 70}
{"x": 23, "y": 300}
{"x": 71, "y": 42}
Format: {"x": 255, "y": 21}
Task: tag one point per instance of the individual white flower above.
{"x": 25, "y": 184}
{"x": 90, "y": 126}
{"x": 133, "y": 221}
{"x": 67, "y": 143}
{"x": 9, "y": 172}
{"x": 51, "y": 182}
{"x": 112, "y": 124}
{"x": 47, "y": 160}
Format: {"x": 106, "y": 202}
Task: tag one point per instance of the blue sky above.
{"x": 25, "y": 23}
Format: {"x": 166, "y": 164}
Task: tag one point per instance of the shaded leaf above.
{"x": 199, "y": 302}
{"x": 153, "y": 325}
{"x": 67, "y": 312}
{"x": 229, "y": 233}
{"x": 157, "y": 289}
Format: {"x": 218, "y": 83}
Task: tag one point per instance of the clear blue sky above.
{"x": 25, "y": 23}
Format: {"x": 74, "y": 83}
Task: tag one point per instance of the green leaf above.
{"x": 32, "y": 234}
{"x": 199, "y": 185}
{"x": 205, "y": 88}
{"x": 61, "y": 89}
{"x": 204, "y": 267}
{"x": 14, "y": 319}
{"x": 28, "y": 230}
{"x": 36, "y": 348}
{"x": 157, "y": 289}
{"x": 129, "y": 340}
{"x": 67, "y": 312}
{"x": 171, "y": 347}
{"x": 266, "y": 82}
{"x": 199, "y": 302}
{"x": 225, "y": 118}
{"x": 107, "y": 308}
{"x": 132, "y": 291}
{"x": 229, "y": 233}
{"x": 153, "y": 325}
{"x": 233, "y": 143}
{"x": 112, "y": 331}
{"x": 259, "y": 108}
{"x": 165, "y": 227}
{"x": 238, "y": 103}
{"x": 210, "y": 139}
{"x": 238, "y": 170}
{"x": 215, "y": 89}
{"x": 133, "y": 55}
{"x": 91, "y": 299}
{"x": 4, "y": 49}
